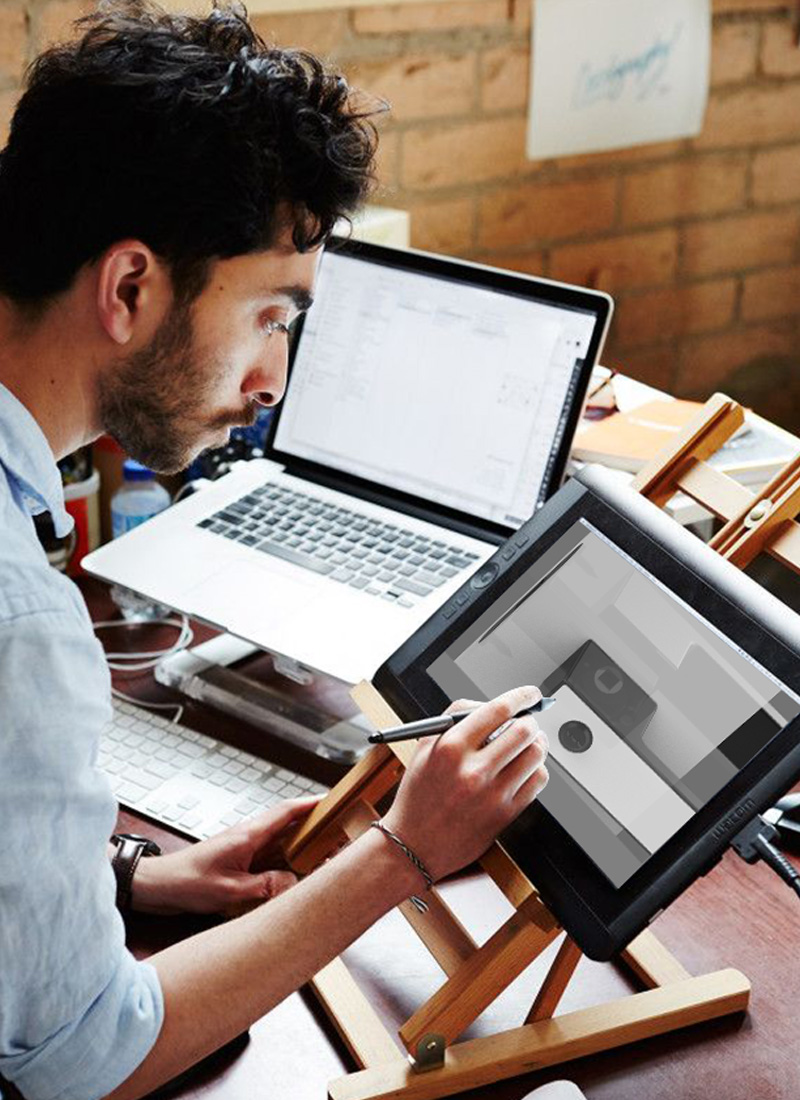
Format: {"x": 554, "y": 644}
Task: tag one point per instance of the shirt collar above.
{"x": 29, "y": 462}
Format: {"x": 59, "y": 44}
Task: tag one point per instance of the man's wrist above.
{"x": 408, "y": 852}
{"x": 402, "y": 877}
{"x": 147, "y": 887}
{"x": 158, "y": 886}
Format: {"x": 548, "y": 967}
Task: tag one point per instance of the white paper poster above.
{"x": 607, "y": 74}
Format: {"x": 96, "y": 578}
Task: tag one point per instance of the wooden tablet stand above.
{"x": 432, "y": 1063}
{"x": 755, "y": 523}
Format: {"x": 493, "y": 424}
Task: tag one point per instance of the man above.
{"x": 166, "y": 187}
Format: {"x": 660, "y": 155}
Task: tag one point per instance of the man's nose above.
{"x": 266, "y": 383}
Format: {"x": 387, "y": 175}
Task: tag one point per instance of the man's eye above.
{"x": 270, "y": 326}
{"x": 286, "y": 325}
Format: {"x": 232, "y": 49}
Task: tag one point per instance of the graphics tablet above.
{"x": 678, "y": 687}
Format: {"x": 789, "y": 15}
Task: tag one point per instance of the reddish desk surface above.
{"x": 736, "y": 916}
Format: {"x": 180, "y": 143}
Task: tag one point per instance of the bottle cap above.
{"x": 135, "y": 471}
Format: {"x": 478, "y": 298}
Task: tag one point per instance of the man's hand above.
{"x": 229, "y": 872}
{"x": 462, "y": 789}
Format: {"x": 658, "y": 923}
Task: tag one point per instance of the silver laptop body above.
{"x": 429, "y": 410}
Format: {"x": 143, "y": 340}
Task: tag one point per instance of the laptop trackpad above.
{"x": 249, "y": 601}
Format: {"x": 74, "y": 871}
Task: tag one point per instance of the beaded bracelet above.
{"x": 420, "y": 866}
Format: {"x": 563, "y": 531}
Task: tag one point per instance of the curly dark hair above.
{"x": 188, "y": 133}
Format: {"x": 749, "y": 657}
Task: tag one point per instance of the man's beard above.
{"x": 153, "y": 402}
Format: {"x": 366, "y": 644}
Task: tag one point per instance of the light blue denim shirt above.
{"x": 77, "y": 1012}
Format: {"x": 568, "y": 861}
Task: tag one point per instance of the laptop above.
{"x": 429, "y": 411}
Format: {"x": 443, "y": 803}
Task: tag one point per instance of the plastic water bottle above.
{"x": 139, "y": 498}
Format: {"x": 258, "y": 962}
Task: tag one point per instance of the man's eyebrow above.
{"x": 301, "y": 298}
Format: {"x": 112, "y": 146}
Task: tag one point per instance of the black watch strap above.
{"x": 130, "y": 849}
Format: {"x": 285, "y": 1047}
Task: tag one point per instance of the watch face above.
{"x": 149, "y": 847}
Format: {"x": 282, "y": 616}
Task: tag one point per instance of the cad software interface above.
{"x": 454, "y": 393}
{"x": 656, "y": 709}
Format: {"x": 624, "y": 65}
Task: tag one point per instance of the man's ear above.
{"x": 133, "y": 291}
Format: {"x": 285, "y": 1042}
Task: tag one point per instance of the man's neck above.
{"x": 47, "y": 365}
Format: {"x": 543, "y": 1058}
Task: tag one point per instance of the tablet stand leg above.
{"x": 555, "y": 982}
{"x": 549, "y": 1042}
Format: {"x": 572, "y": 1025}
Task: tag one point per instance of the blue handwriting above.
{"x": 641, "y": 74}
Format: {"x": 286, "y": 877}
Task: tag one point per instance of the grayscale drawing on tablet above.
{"x": 657, "y": 711}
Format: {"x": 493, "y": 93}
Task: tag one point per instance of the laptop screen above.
{"x": 440, "y": 387}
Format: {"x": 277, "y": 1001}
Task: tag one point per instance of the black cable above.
{"x": 754, "y": 842}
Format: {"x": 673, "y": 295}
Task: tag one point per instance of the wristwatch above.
{"x": 130, "y": 849}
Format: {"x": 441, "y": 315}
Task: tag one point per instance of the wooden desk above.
{"x": 736, "y": 916}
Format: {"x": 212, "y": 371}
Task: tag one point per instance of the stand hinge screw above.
{"x": 430, "y": 1052}
{"x": 758, "y": 512}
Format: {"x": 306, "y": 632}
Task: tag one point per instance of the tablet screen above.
{"x": 656, "y": 710}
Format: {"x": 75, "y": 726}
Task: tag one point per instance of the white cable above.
{"x": 148, "y": 659}
{"x": 177, "y": 707}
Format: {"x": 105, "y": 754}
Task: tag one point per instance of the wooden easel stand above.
{"x": 755, "y": 523}
{"x": 432, "y": 1063}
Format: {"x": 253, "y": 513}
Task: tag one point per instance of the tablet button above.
{"x": 462, "y": 598}
{"x": 521, "y": 540}
{"x": 450, "y": 611}
{"x": 509, "y": 553}
{"x": 485, "y": 575}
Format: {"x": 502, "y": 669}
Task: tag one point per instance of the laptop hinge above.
{"x": 409, "y": 508}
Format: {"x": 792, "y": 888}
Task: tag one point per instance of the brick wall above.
{"x": 698, "y": 240}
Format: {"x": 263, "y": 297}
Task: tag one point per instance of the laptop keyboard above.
{"x": 381, "y": 559}
{"x": 185, "y": 779}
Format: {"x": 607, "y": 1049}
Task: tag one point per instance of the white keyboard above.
{"x": 185, "y": 779}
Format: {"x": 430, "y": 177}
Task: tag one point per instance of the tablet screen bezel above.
{"x": 601, "y": 917}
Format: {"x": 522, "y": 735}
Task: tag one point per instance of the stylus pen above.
{"x": 427, "y": 727}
